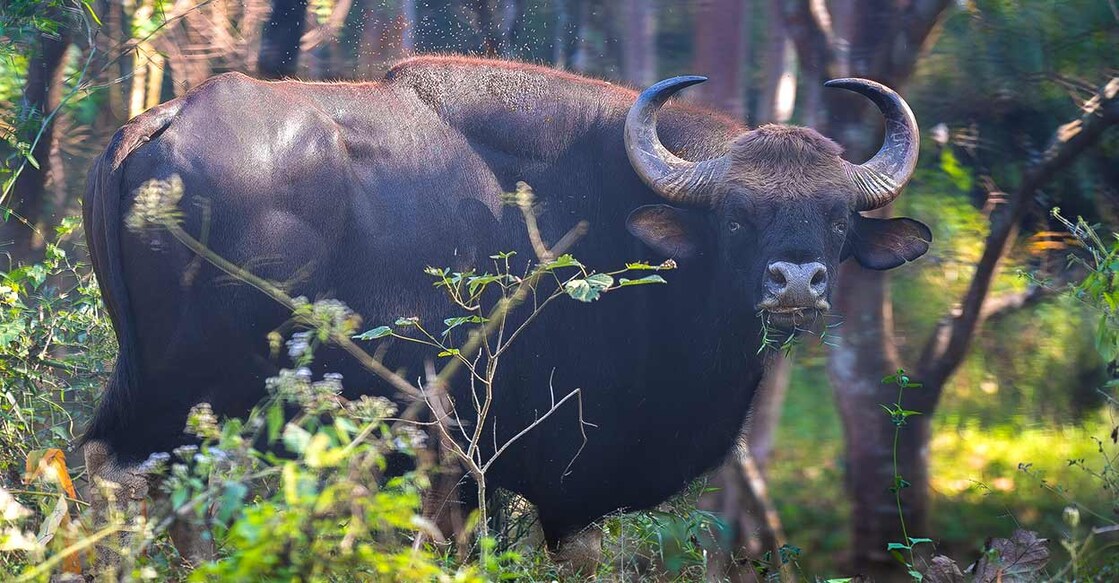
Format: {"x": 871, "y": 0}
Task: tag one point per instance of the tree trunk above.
{"x": 639, "y": 54}
{"x": 880, "y": 40}
{"x": 778, "y": 61}
{"x": 720, "y": 51}
{"x": 42, "y": 94}
{"x": 864, "y": 354}
{"x": 279, "y": 43}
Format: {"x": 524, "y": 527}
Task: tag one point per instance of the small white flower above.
{"x": 154, "y": 461}
{"x": 10, "y": 509}
{"x": 298, "y": 345}
{"x": 185, "y": 451}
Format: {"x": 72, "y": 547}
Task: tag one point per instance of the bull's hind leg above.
{"x": 119, "y": 492}
{"x": 116, "y": 493}
{"x": 579, "y": 554}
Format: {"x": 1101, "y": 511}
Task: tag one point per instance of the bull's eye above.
{"x": 733, "y": 226}
{"x": 840, "y": 228}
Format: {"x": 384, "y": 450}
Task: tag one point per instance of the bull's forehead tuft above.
{"x": 786, "y": 161}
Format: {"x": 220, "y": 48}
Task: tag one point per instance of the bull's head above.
{"x": 780, "y": 210}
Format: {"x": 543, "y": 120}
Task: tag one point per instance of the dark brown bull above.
{"x": 357, "y": 187}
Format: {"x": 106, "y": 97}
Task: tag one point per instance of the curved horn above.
{"x": 880, "y": 179}
{"x": 673, "y": 178}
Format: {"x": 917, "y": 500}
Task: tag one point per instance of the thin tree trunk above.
{"x": 408, "y": 29}
{"x": 512, "y": 17}
{"x": 41, "y": 96}
{"x": 581, "y": 61}
{"x": 562, "y": 33}
{"x": 639, "y": 53}
{"x": 321, "y": 65}
{"x": 720, "y": 50}
{"x": 739, "y": 492}
{"x": 487, "y": 28}
{"x": 382, "y": 38}
{"x": 369, "y": 49}
{"x": 778, "y": 68}
{"x": 765, "y": 412}
{"x": 279, "y": 44}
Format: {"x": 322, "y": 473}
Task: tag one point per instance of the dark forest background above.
{"x": 1014, "y": 98}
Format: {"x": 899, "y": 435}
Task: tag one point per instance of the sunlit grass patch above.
{"x": 966, "y": 453}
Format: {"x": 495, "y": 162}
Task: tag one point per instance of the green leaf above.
{"x": 296, "y": 438}
{"x": 897, "y": 546}
{"x": 602, "y": 280}
{"x": 623, "y": 282}
{"x": 378, "y": 332}
{"x": 275, "y": 421}
{"x": 565, "y": 260}
{"x": 410, "y": 321}
{"x": 179, "y": 497}
{"x": 451, "y": 352}
{"x": 588, "y": 290}
{"x": 956, "y": 172}
{"x": 481, "y": 281}
{"x": 231, "y": 497}
{"x": 452, "y": 323}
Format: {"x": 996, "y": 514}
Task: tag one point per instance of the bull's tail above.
{"x": 102, "y": 218}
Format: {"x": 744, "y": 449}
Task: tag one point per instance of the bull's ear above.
{"x": 675, "y": 233}
{"x": 887, "y": 243}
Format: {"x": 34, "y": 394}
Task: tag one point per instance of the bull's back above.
{"x": 252, "y": 162}
{"x": 341, "y": 191}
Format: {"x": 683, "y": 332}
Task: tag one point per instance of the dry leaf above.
{"x": 49, "y": 464}
{"x": 53, "y": 520}
{"x": 943, "y": 570}
{"x": 1018, "y": 559}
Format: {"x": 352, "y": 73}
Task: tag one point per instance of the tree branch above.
{"x": 919, "y": 26}
{"x": 952, "y": 337}
{"x": 809, "y": 26}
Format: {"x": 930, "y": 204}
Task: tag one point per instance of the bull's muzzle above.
{"x": 795, "y": 291}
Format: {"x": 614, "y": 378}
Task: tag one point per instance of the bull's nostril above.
{"x": 777, "y": 275}
{"x": 819, "y": 277}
